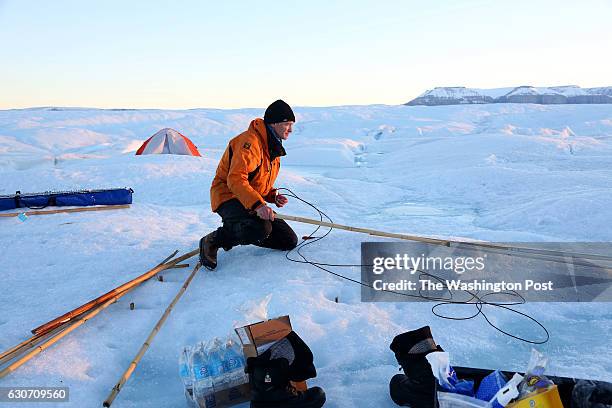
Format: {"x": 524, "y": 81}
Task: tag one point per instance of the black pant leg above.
{"x": 240, "y": 227}
{"x": 282, "y": 237}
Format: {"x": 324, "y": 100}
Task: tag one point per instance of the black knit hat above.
{"x": 279, "y": 111}
{"x": 415, "y": 343}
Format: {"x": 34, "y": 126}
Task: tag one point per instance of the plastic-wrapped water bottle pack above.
{"x": 211, "y": 366}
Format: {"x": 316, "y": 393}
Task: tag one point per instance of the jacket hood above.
{"x": 273, "y": 148}
{"x": 258, "y": 127}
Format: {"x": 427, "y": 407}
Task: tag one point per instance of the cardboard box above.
{"x": 256, "y": 338}
{"x": 226, "y": 398}
{"x": 547, "y": 398}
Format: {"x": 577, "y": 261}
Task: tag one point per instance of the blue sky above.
{"x": 188, "y": 54}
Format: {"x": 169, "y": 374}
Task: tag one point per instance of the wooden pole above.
{"x": 363, "y": 230}
{"x": 65, "y": 329}
{"x": 101, "y": 299}
{"x": 24, "y": 345}
{"x": 179, "y": 266}
{"x": 143, "y": 349}
{"x": 59, "y": 335}
{"x": 169, "y": 257}
{"x": 66, "y": 210}
{"x": 516, "y": 250}
{"x": 37, "y": 338}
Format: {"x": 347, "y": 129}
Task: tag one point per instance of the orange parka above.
{"x": 245, "y": 171}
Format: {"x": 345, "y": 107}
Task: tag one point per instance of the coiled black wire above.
{"x": 478, "y": 301}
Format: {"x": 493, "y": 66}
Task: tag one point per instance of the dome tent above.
{"x": 168, "y": 141}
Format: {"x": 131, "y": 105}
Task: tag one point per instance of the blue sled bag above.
{"x": 81, "y": 198}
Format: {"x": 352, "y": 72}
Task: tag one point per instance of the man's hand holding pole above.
{"x": 265, "y": 213}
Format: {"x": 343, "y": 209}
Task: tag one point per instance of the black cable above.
{"x": 478, "y": 301}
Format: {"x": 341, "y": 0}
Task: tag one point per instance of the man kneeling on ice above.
{"x": 244, "y": 183}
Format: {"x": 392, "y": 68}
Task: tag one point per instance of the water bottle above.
{"x": 234, "y": 364}
{"x": 203, "y": 382}
{"x": 216, "y": 356}
{"x": 185, "y": 372}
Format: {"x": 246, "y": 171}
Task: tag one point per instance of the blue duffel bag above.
{"x": 81, "y": 198}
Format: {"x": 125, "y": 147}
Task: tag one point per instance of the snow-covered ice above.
{"x": 500, "y": 172}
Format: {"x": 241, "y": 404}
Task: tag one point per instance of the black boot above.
{"x": 208, "y": 251}
{"x": 270, "y": 387}
{"x": 417, "y": 387}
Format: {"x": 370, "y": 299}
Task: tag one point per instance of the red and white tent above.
{"x": 168, "y": 141}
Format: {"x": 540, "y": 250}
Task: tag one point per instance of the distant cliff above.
{"x": 523, "y": 94}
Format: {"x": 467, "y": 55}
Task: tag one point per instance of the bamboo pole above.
{"x": 169, "y": 257}
{"x": 25, "y": 345}
{"x": 179, "y": 266}
{"x": 66, "y": 210}
{"x": 57, "y": 333}
{"x": 143, "y": 349}
{"x": 37, "y": 338}
{"x": 101, "y": 299}
{"x": 363, "y": 230}
{"x": 79, "y": 321}
{"x": 443, "y": 242}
